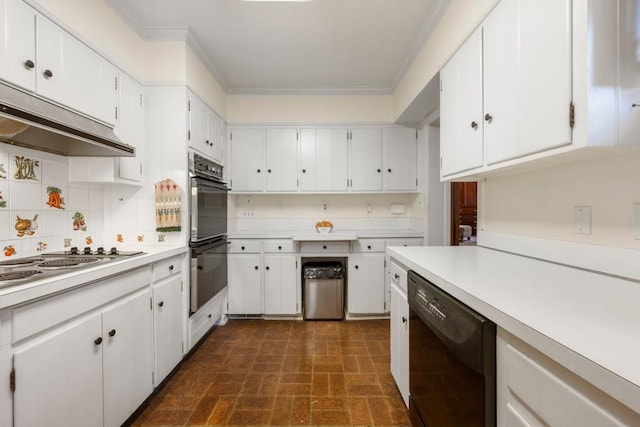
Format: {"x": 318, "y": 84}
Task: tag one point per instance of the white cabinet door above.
{"x": 365, "y": 288}
{"x": 365, "y": 159}
{"x": 216, "y": 137}
{"x": 245, "y": 285}
{"x": 49, "y": 38}
{"x": 400, "y": 159}
{"x": 130, "y": 128}
{"x": 629, "y": 102}
{"x": 400, "y": 341}
{"x": 127, "y": 357}
{"x": 19, "y": 44}
{"x": 59, "y": 378}
{"x": 247, "y": 159}
{"x": 461, "y": 108}
{"x": 324, "y": 164}
{"x": 282, "y": 159}
{"x": 195, "y": 132}
{"x": 527, "y": 78}
{"x": 167, "y": 317}
{"x": 280, "y": 296}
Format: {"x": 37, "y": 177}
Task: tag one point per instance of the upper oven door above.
{"x": 208, "y": 209}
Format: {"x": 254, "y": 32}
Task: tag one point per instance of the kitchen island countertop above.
{"x": 311, "y": 234}
{"x": 586, "y": 321}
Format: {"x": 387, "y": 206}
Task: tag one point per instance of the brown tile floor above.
{"x": 282, "y": 373}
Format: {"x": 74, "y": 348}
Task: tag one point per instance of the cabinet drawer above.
{"x": 37, "y": 316}
{"x": 244, "y": 247}
{"x": 398, "y": 275}
{"x": 417, "y": 241}
{"x": 322, "y": 247}
{"x": 279, "y": 246}
{"x": 167, "y": 267}
{"x": 368, "y": 245}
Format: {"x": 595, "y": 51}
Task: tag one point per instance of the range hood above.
{"x": 30, "y": 122}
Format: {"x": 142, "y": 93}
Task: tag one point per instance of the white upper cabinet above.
{"x": 205, "y": 129}
{"x": 513, "y": 93}
{"x": 527, "y": 78}
{"x": 130, "y": 127}
{"x": 400, "y": 159}
{"x": 247, "y": 159}
{"x": 323, "y": 160}
{"x": 461, "y": 120}
{"x": 41, "y": 57}
{"x": 365, "y": 159}
{"x": 282, "y": 160}
{"x": 19, "y": 47}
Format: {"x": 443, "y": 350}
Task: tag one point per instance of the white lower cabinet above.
{"x": 58, "y": 380}
{"x": 399, "y": 340}
{"x": 280, "y": 296}
{"x": 534, "y": 390}
{"x": 93, "y": 372}
{"x": 167, "y": 320}
{"x": 365, "y": 284}
{"x": 245, "y": 284}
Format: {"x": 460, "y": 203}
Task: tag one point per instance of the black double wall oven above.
{"x": 208, "y": 223}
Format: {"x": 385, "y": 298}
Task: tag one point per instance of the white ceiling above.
{"x": 323, "y": 46}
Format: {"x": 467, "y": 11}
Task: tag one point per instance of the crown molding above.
{"x": 285, "y": 90}
{"x": 127, "y": 16}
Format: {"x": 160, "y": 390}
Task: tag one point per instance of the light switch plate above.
{"x": 582, "y": 219}
{"x": 636, "y": 221}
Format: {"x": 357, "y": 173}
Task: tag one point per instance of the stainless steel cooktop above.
{"x": 25, "y": 270}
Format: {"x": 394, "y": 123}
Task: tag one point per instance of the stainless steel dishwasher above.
{"x": 452, "y": 360}
{"x": 323, "y": 290}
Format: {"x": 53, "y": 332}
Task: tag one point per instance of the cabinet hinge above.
{"x": 416, "y": 134}
{"x": 153, "y": 377}
{"x": 182, "y": 344}
{"x": 440, "y": 85}
{"x": 181, "y": 286}
{"x": 416, "y": 182}
{"x": 116, "y": 113}
{"x": 297, "y": 136}
{"x": 572, "y": 115}
{"x": 189, "y": 105}
{"x": 440, "y": 162}
{"x": 189, "y": 135}
{"x": 150, "y": 303}
{"x": 140, "y": 99}
{"x": 297, "y": 183}
{"x": 12, "y": 380}
{"x": 115, "y": 82}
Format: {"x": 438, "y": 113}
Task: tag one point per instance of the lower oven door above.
{"x": 208, "y": 271}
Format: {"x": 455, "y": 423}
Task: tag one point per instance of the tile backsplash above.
{"x": 40, "y": 210}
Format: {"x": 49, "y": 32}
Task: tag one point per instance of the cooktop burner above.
{"x": 14, "y": 276}
{"x": 20, "y": 262}
{"x": 66, "y": 262}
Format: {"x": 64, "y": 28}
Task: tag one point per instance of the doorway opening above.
{"x": 464, "y": 213}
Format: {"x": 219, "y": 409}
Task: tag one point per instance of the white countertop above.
{"x": 18, "y": 294}
{"x": 312, "y": 235}
{"x": 588, "y": 322}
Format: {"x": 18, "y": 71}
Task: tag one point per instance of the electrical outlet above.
{"x": 325, "y": 206}
{"x": 247, "y": 213}
{"x": 582, "y": 219}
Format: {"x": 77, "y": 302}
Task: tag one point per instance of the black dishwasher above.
{"x": 452, "y": 360}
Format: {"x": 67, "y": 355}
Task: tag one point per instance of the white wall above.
{"x": 200, "y": 80}
{"x": 540, "y": 203}
{"x": 302, "y": 211}
{"x": 244, "y": 109}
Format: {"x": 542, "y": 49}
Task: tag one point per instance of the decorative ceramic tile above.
{"x": 25, "y": 196}
{"x": 140, "y": 238}
{"x": 4, "y": 166}
{"x": 25, "y": 168}
{"x": 79, "y": 221}
{"x": 4, "y": 194}
{"x": 26, "y": 223}
{"x": 160, "y": 237}
{"x": 67, "y": 242}
{"x": 88, "y": 240}
{"x": 54, "y": 173}
{"x": 53, "y": 197}
{"x": 39, "y": 246}
{"x": 119, "y": 238}
{"x": 9, "y": 250}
